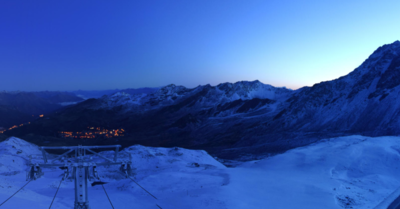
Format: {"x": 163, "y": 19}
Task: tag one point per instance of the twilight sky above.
{"x": 97, "y": 45}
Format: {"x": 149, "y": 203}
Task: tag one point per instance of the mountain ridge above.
{"x": 21, "y": 107}
{"x": 243, "y": 119}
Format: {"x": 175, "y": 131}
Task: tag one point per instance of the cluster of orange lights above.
{"x": 16, "y": 126}
{"x": 11, "y": 128}
{"x": 93, "y": 132}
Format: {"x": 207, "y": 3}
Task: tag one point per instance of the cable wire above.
{"x": 143, "y": 189}
{"x": 56, "y": 193}
{"x": 15, "y": 193}
{"x": 107, "y": 196}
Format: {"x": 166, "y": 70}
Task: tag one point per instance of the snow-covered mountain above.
{"x": 364, "y": 101}
{"x": 15, "y": 154}
{"x": 202, "y": 96}
{"x": 247, "y": 119}
{"x": 347, "y": 172}
{"x": 369, "y": 91}
{"x": 99, "y": 93}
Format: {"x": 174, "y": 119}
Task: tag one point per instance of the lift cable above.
{"x": 15, "y": 193}
{"x": 56, "y": 192}
{"x": 143, "y": 188}
{"x": 145, "y": 191}
{"x": 107, "y": 196}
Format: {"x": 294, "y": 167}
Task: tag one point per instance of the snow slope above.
{"x": 346, "y": 172}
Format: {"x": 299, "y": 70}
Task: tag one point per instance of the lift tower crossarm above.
{"x": 83, "y": 168}
{"x": 59, "y": 157}
{"x": 100, "y": 155}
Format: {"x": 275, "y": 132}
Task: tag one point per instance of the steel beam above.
{"x": 81, "y": 192}
{"x": 81, "y": 166}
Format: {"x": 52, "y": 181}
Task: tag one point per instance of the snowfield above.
{"x": 346, "y": 172}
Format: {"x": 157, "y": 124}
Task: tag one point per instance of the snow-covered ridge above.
{"x": 152, "y": 158}
{"x": 210, "y": 95}
{"x": 14, "y": 155}
{"x": 245, "y": 90}
{"x": 142, "y": 156}
{"x": 364, "y": 101}
{"x": 377, "y": 61}
{"x": 361, "y": 78}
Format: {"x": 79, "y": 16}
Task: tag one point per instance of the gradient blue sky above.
{"x": 96, "y": 45}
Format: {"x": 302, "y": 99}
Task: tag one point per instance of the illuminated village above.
{"x": 92, "y": 133}
{"x": 2, "y": 130}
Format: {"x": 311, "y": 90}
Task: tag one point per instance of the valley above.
{"x": 199, "y": 104}
{"x": 242, "y": 120}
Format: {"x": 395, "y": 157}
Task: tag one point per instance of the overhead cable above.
{"x": 56, "y": 193}
{"x": 15, "y": 193}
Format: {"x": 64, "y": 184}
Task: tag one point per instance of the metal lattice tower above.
{"x": 81, "y": 167}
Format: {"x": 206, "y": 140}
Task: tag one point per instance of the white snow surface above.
{"x": 170, "y": 94}
{"x": 345, "y": 172}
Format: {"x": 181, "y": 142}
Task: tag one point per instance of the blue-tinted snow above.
{"x": 345, "y": 172}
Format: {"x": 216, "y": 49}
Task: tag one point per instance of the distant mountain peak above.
{"x": 170, "y": 86}
{"x": 120, "y": 94}
{"x": 376, "y": 64}
{"x": 387, "y": 49}
{"x": 396, "y": 43}
{"x": 170, "y": 90}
